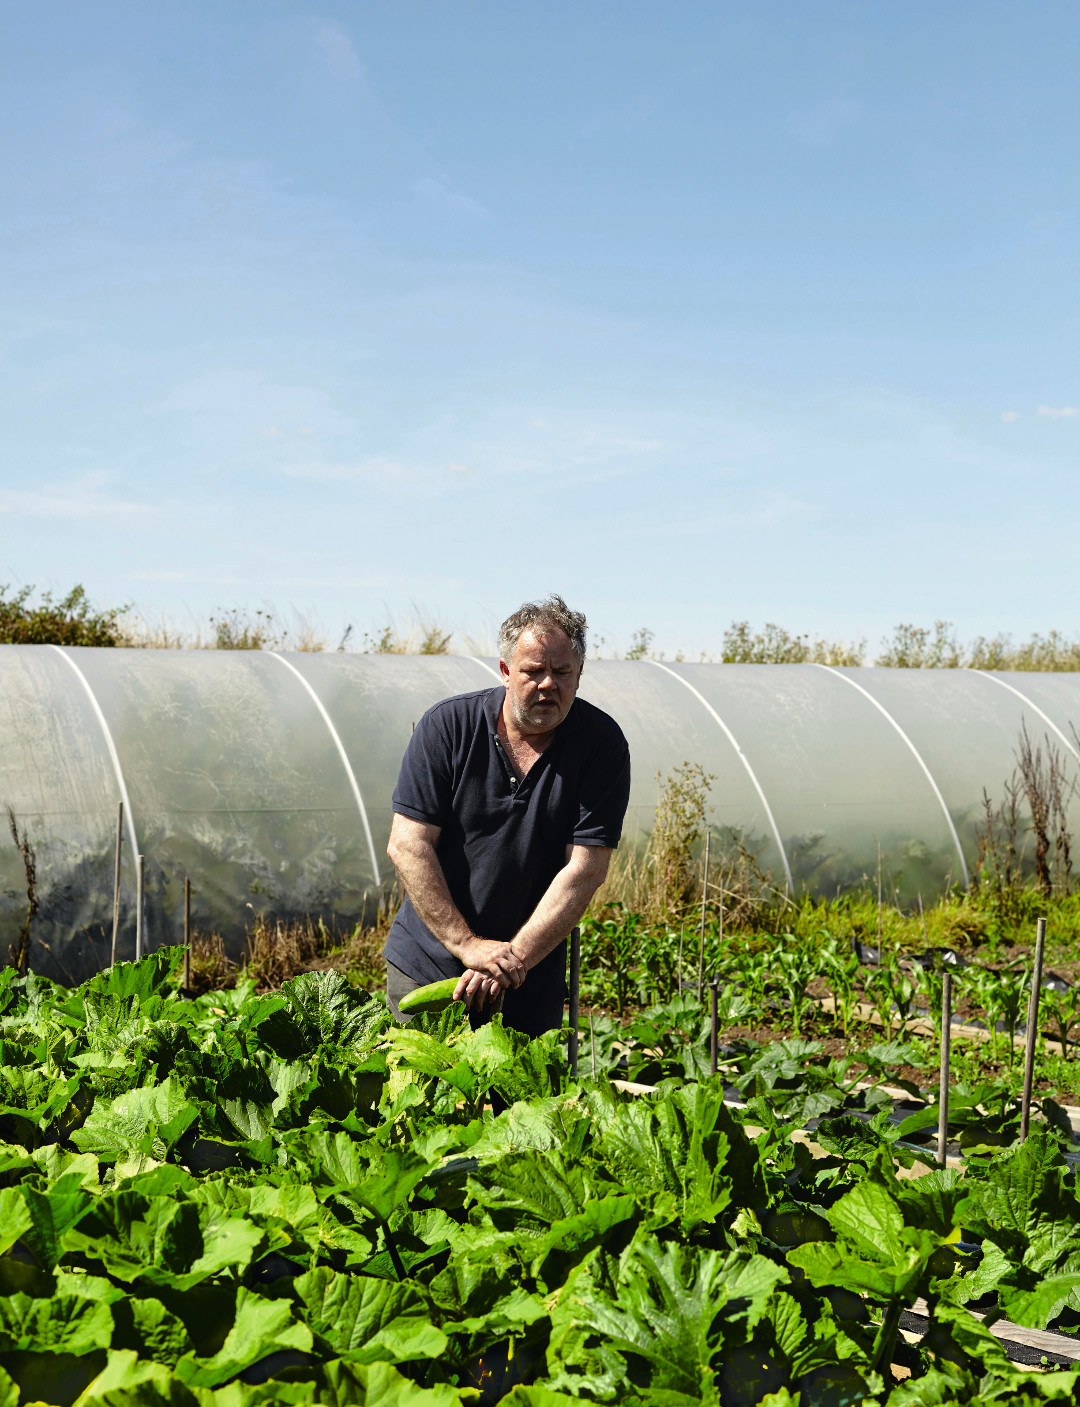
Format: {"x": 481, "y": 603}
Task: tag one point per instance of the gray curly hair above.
{"x": 539, "y": 617}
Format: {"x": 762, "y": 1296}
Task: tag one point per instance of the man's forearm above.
{"x": 424, "y": 882}
{"x": 412, "y": 850}
{"x": 564, "y": 902}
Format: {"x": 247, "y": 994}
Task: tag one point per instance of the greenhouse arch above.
{"x": 266, "y": 777}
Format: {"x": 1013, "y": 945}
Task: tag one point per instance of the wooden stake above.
{"x": 714, "y": 1030}
{"x": 187, "y": 934}
{"x": 140, "y": 880}
{"x": 704, "y": 896}
{"x": 116, "y": 882}
{"x": 575, "y": 992}
{"x": 1031, "y": 1035}
{"x": 943, "y": 1082}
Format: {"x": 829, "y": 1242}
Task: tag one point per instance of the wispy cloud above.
{"x": 821, "y": 125}
{"x": 1050, "y": 412}
{"x": 338, "y": 50}
{"x": 379, "y": 468}
{"x": 84, "y": 497}
{"x": 1008, "y": 416}
{"x": 442, "y": 193}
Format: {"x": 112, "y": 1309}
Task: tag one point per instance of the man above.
{"x": 508, "y": 806}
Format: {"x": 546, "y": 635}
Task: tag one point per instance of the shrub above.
{"x": 70, "y": 621}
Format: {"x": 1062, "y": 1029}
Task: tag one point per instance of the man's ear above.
{"x": 504, "y": 670}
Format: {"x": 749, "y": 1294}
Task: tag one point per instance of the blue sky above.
{"x": 695, "y": 313}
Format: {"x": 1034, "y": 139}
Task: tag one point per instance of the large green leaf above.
{"x": 128, "y": 1381}
{"x": 936, "y": 1201}
{"x": 147, "y": 1327}
{"x": 148, "y": 1119}
{"x": 64, "y": 1323}
{"x": 380, "y": 1178}
{"x": 678, "y": 1145}
{"x": 667, "y": 1317}
{"x": 1041, "y": 1304}
{"x": 321, "y": 1008}
{"x": 1026, "y": 1203}
{"x": 877, "y": 1254}
{"x": 261, "y": 1327}
{"x": 870, "y": 1220}
{"x": 608, "y": 1221}
{"x": 531, "y": 1191}
{"x": 368, "y": 1320}
{"x": 133, "y": 1235}
{"x": 15, "y": 1217}
{"x": 52, "y": 1214}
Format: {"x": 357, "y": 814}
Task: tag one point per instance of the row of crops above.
{"x": 630, "y": 965}
{"x": 286, "y": 1198}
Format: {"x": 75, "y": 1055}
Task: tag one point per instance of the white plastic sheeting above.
{"x": 267, "y": 778}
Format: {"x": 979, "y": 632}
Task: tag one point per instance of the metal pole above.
{"x": 575, "y": 989}
{"x": 592, "y": 1045}
{"x": 116, "y": 881}
{"x": 140, "y": 877}
{"x": 714, "y": 1033}
{"x": 1032, "y": 1033}
{"x": 704, "y": 895}
{"x": 682, "y": 936}
{"x": 187, "y": 934}
{"x": 943, "y": 1083}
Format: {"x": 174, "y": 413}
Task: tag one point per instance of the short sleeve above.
{"x": 604, "y": 793}
{"x": 425, "y": 782}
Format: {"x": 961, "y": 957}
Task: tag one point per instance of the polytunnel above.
{"x": 266, "y": 778}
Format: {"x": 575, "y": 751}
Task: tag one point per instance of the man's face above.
{"x": 541, "y": 680}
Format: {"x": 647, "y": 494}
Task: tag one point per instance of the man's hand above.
{"x": 495, "y": 960}
{"x": 476, "y": 987}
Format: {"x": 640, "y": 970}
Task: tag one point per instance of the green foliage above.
{"x": 678, "y": 825}
{"x": 641, "y": 641}
{"x": 247, "y": 1199}
{"x": 69, "y": 621}
{"x": 775, "y": 645}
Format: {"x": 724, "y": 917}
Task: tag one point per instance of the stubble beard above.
{"x": 542, "y": 721}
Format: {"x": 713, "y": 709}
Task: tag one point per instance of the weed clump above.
{"x": 69, "y": 621}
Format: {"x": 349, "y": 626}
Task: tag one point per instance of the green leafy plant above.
{"x": 68, "y": 621}
{"x": 1062, "y": 1011}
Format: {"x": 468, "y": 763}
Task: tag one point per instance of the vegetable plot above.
{"x": 289, "y": 1199}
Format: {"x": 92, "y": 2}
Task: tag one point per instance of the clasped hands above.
{"x": 490, "y": 968}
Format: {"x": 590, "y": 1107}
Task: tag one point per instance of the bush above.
{"x": 66, "y": 622}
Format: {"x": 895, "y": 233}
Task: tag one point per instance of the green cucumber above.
{"x": 436, "y": 996}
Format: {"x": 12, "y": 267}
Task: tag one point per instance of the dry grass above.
{"x": 211, "y": 969}
{"x": 239, "y": 629}
{"x": 277, "y": 949}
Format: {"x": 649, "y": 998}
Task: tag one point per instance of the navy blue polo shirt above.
{"x": 503, "y": 840}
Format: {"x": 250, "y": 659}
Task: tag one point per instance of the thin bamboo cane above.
{"x": 187, "y": 934}
{"x": 1032, "y": 1033}
{"x": 704, "y": 896}
{"x": 943, "y": 1081}
{"x": 140, "y": 881}
{"x": 714, "y": 1031}
{"x": 575, "y": 992}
